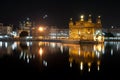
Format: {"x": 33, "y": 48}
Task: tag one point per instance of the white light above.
{"x": 45, "y": 62}
{"x": 88, "y": 69}
{"x": 82, "y": 16}
{"x": 111, "y": 51}
{"x": 28, "y": 60}
{"x": 98, "y": 68}
{"x": 6, "y": 44}
{"x": 70, "y": 64}
{"x": 0, "y": 43}
{"x": 14, "y": 45}
{"x": 28, "y": 43}
{"x": 61, "y": 48}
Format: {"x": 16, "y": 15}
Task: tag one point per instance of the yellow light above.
{"x": 40, "y": 29}
{"x": 82, "y": 16}
{"x": 81, "y": 66}
{"x": 99, "y": 47}
{"x": 40, "y": 51}
{"x": 99, "y": 38}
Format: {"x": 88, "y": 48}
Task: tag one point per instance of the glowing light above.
{"x": 6, "y": 44}
{"x": 14, "y": 45}
{"x": 99, "y": 16}
{"x": 82, "y": 16}
{"x": 70, "y": 64}
{"x": 88, "y": 69}
{"x": 99, "y": 47}
{"x": 61, "y": 49}
{"x": 40, "y": 51}
{"x": 111, "y": 51}
{"x": 99, "y": 38}
{"x": 40, "y": 29}
{"x": 53, "y": 45}
{"x": 28, "y": 60}
{"x": 98, "y": 67}
{"x": 81, "y": 66}
{"x": 89, "y": 65}
{"x": 0, "y": 43}
{"x": 45, "y": 62}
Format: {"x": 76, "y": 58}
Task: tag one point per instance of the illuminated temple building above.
{"x": 86, "y": 30}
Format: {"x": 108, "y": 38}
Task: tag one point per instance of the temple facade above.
{"x": 86, "y": 30}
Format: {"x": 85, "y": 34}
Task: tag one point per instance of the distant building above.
{"x": 55, "y": 33}
{"x": 5, "y": 30}
{"x": 25, "y": 26}
{"x": 86, "y": 30}
{"x": 113, "y": 30}
{"x": 1, "y": 27}
{"x": 40, "y": 32}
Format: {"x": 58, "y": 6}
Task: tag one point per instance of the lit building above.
{"x": 86, "y": 30}
{"x": 5, "y": 30}
{"x": 40, "y": 32}
{"x": 55, "y": 33}
{"x": 25, "y": 26}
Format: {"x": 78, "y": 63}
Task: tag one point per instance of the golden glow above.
{"x": 82, "y": 17}
{"x": 86, "y": 30}
{"x": 89, "y": 64}
{"x": 40, "y": 51}
{"x": 40, "y": 28}
{"x": 98, "y": 65}
{"x": 99, "y": 47}
{"x": 81, "y": 66}
{"x": 86, "y": 54}
{"x": 99, "y": 38}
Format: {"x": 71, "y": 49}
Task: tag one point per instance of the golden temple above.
{"x": 86, "y": 30}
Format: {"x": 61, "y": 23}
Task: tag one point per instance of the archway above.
{"x": 23, "y": 34}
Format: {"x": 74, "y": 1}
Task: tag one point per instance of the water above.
{"x": 50, "y": 60}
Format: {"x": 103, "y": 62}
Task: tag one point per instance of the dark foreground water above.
{"x": 58, "y": 61}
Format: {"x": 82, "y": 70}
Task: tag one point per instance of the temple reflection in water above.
{"x": 83, "y": 55}
{"x": 86, "y": 54}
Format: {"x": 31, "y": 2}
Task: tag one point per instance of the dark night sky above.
{"x": 59, "y": 11}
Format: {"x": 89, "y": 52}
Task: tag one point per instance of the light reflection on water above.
{"x": 84, "y": 57}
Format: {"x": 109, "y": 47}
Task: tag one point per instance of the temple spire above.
{"x": 90, "y": 19}
{"x": 82, "y": 18}
{"x": 71, "y": 22}
{"x": 99, "y": 20}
